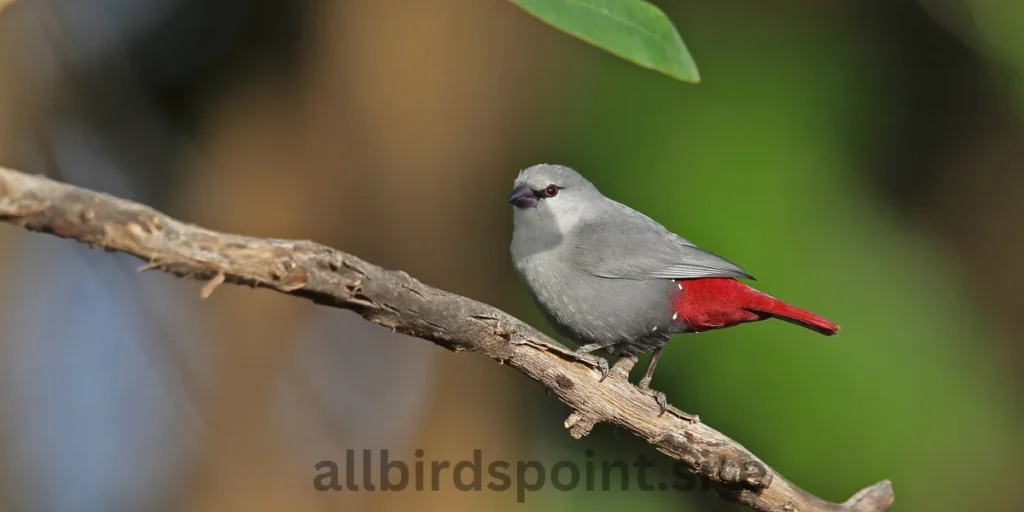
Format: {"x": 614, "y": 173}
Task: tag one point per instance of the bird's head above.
{"x": 554, "y": 193}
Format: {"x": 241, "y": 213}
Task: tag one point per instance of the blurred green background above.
{"x": 861, "y": 159}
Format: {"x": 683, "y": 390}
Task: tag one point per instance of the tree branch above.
{"x": 396, "y": 300}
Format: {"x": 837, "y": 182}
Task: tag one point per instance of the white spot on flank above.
{"x": 655, "y": 328}
{"x": 680, "y": 285}
{"x": 675, "y": 316}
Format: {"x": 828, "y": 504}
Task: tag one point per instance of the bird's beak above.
{"x": 523, "y": 197}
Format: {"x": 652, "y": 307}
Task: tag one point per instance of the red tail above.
{"x": 712, "y": 303}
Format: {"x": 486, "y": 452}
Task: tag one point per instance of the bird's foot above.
{"x": 584, "y": 353}
{"x": 662, "y": 400}
{"x": 602, "y": 365}
{"x": 692, "y": 418}
{"x": 659, "y": 396}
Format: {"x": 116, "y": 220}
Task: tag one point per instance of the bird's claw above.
{"x": 662, "y": 400}
{"x": 659, "y": 396}
{"x": 692, "y": 418}
{"x": 602, "y": 365}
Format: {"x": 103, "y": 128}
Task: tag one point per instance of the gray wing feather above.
{"x": 636, "y": 247}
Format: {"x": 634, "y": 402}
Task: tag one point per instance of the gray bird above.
{"x": 610, "y": 278}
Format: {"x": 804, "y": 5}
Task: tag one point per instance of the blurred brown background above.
{"x": 863, "y": 159}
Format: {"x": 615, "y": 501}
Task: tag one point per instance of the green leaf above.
{"x": 632, "y": 29}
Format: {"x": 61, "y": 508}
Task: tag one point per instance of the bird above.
{"x": 614, "y": 280}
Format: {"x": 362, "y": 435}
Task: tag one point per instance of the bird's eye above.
{"x": 551, "y": 191}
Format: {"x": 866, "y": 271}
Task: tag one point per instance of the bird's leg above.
{"x": 584, "y": 353}
{"x": 645, "y": 383}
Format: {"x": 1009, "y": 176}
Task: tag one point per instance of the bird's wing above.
{"x": 634, "y": 246}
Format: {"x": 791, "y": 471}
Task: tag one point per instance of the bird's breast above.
{"x": 591, "y": 309}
